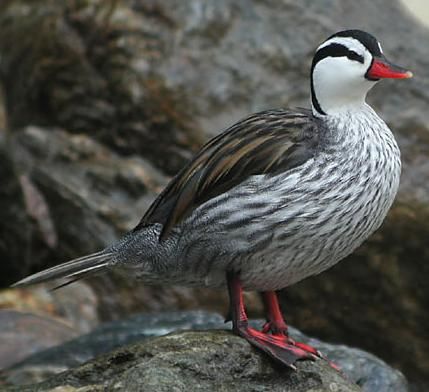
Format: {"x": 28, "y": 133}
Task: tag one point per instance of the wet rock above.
{"x": 106, "y": 338}
{"x": 113, "y": 97}
{"x": 194, "y": 361}
{"x": 32, "y": 320}
{"x": 23, "y": 334}
{"x": 369, "y": 372}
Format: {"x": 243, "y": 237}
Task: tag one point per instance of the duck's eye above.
{"x": 354, "y": 56}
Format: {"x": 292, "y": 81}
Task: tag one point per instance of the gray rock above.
{"x": 369, "y": 372}
{"x": 13, "y": 237}
{"x": 23, "y": 334}
{"x": 79, "y": 198}
{"x": 195, "y": 361}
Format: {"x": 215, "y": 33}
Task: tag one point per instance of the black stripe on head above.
{"x": 336, "y": 50}
{"x": 366, "y": 39}
{"x": 332, "y": 50}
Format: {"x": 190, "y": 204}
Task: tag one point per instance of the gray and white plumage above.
{"x": 277, "y": 197}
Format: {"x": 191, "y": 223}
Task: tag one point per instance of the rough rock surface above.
{"x": 369, "y": 372}
{"x": 194, "y": 361}
{"x": 101, "y": 101}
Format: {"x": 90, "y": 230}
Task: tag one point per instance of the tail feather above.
{"x": 74, "y": 278}
{"x": 74, "y": 269}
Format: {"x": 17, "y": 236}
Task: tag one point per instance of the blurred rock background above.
{"x": 102, "y": 101}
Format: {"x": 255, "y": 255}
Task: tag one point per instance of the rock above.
{"x": 34, "y": 319}
{"x": 13, "y": 236}
{"x": 23, "y": 334}
{"x": 76, "y": 305}
{"x": 90, "y": 71}
{"x": 79, "y": 198}
{"x": 369, "y": 372}
{"x": 113, "y": 97}
{"x": 194, "y": 361}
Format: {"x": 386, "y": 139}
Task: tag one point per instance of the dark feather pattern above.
{"x": 268, "y": 142}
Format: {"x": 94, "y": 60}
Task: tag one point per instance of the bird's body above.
{"x": 277, "y": 197}
{"x": 279, "y": 228}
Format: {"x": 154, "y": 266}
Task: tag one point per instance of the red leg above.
{"x": 276, "y": 346}
{"x": 277, "y": 325}
{"x": 275, "y": 322}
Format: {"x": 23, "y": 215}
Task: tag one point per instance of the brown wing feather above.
{"x": 264, "y": 143}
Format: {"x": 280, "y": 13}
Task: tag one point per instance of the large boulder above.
{"x": 191, "y": 360}
{"x": 101, "y": 101}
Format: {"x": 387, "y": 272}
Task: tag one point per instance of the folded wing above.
{"x": 268, "y": 142}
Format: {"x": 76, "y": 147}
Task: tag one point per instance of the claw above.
{"x": 277, "y": 347}
{"x": 317, "y": 354}
{"x": 308, "y": 348}
{"x": 266, "y": 327}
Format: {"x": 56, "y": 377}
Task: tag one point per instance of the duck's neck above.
{"x": 331, "y": 97}
{"x": 355, "y": 125}
{"x": 331, "y": 105}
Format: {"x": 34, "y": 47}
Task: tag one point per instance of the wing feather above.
{"x": 265, "y": 143}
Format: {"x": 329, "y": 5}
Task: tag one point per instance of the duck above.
{"x": 279, "y": 196}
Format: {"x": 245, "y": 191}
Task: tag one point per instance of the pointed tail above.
{"x": 72, "y": 270}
